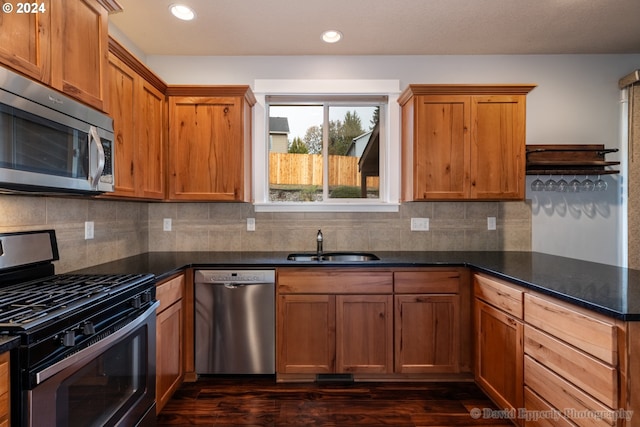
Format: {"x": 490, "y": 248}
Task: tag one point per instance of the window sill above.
{"x": 326, "y": 207}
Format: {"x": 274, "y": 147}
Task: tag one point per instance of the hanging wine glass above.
{"x": 563, "y": 185}
{"x": 587, "y": 184}
{"x": 537, "y": 184}
{"x": 600, "y": 184}
{"x": 550, "y": 185}
{"x": 574, "y": 185}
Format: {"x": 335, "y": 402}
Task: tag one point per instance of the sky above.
{"x": 302, "y": 118}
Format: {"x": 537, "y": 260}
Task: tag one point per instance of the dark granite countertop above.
{"x": 607, "y": 289}
{"x": 8, "y": 342}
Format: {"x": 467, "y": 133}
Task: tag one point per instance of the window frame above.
{"x": 336, "y": 90}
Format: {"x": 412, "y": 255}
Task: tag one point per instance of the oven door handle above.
{"x": 97, "y": 348}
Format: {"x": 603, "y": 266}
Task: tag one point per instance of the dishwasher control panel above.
{"x": 235, "y": 276}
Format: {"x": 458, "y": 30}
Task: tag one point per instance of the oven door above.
{"x": 111, "y": 383}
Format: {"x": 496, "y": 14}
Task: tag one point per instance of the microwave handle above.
{"x": 93, "y": 178}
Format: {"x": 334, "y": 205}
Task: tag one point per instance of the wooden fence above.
{"x": 306, "y": 169}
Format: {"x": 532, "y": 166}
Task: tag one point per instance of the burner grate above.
{"x": 24, "y": 303}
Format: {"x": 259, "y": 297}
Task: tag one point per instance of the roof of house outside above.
{"x": 278, "y": 125}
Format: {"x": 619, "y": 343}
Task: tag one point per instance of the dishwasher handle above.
{"x": 233, "y": 285}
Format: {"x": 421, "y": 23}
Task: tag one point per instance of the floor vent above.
{"x": 334, "y": 378}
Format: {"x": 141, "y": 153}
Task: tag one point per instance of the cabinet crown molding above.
{"x": 464, "y": 89}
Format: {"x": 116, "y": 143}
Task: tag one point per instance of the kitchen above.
{"x": 582, "y": 89}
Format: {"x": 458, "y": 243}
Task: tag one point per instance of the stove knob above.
{"x": 136, "y": 302}
{"x": 146, "y": 297}
{"x": 69, "y": 339}
{"x": 88, "y": 328}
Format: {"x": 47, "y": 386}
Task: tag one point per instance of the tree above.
{"x": 341, "y": 133}
{"x": 375, "y": 119}
{"x": 298, "y": 146}
{"x": 313, "y": 139}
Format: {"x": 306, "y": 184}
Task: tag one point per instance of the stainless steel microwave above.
{"x": 50, "y": 143}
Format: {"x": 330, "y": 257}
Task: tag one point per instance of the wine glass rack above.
{"x": 567, "y": 159}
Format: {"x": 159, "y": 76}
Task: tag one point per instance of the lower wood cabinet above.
{"x": 5, "y": 390}
{"x": 364, "y": 334}
{"x": 499, "y": 335}
{"x": 572, "y": 362}
{"x": 334, "y": 321}
{"x": 371, "y": 323}
{"x": 306, "y": 326}
{"x": 428, "y": 332}
{"x": 169, "y": 339}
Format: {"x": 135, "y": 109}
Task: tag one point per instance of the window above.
{"x": 327, "y": 150}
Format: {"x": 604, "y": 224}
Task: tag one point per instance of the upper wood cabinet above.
{"x": 25, "y": 42}
{"x": 79, "y": 50}
{"x": 210, "y": 143}
{"x": 137, "y": 106}
{"x": 64, "y": 46}
{"x": 463, "y": 142}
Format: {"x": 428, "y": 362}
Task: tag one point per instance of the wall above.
{"x": 576, "y": 101}
{"x": 453, "y": 226}
{"x": 120, "y": 228}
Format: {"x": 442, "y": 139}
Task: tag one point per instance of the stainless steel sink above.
{"x": 335, "y": 257}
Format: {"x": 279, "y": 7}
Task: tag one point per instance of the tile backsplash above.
{"x": 124, "y": 228}
{"x": 452, "y": 226}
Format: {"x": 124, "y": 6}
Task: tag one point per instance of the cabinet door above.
{"x": 427, "y": 338}
{"x": 206, "y": 148}
{"x": 79, "y": 50}
{"x": 5, "y": 389}
{"x": 25, "y": 43}
{"x": 441, "y": 151}
{"x": 498, "y": 147}
{"x": 122, "y": 87}
{"x": 364, "y": 335}
{"x": 499, "y": 355}
{"x": 306, "y": 334}
{"x": 150, "y": 173}
{"x": 169, "y": 353}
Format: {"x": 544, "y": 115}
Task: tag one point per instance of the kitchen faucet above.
{"x": 319, "y": 244}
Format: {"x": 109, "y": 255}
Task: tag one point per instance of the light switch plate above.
{"x": 251, "y": 224}
{"x": 419, "y": 224}
{"x": 491, "y": 223}
{"x": 88, "y": 230}
{"x": 166, "y": 224}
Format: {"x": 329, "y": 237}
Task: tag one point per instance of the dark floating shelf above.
{"x": 569, "y": 160}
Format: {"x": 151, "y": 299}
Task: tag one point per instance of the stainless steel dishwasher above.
{"x": 235, "y": 321}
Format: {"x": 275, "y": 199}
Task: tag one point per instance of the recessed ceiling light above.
{"x": 183, "y": 12}
{"x": 331, "y": 36}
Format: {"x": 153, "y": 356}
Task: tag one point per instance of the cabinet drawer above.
{"x": 594, "y": 335}
{"x": 426, "y": 282}
{"x": 326, "y": 281}
{"x": 169, "y": 292}
{"x": 586, "y": 372}
{"x": 541, "y": 414}
{"x": 500, "y": 295}
{"x": 566, "y": 397}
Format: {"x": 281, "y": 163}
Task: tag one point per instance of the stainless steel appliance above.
{"x": 235, "y": 321}
{"x": 52, "y": 143}
{"x": 87, "y": 342}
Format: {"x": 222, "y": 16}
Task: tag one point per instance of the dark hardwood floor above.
{"x": 260, "y": 401}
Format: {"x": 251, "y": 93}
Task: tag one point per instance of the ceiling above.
{"x": 383, "y": 27}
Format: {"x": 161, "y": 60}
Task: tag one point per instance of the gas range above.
{"x": 62, "y": 319}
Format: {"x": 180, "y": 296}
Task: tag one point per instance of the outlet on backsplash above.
{"x": 419, "y": 224}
